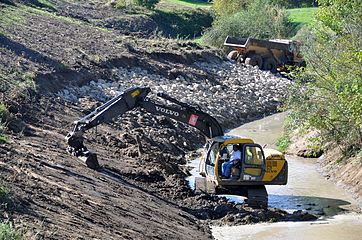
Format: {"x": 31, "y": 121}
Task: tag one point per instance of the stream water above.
{"x": 341, "y": 217}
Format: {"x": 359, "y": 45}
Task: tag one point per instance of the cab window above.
{"x": 225, "y": 152}
{"x": 211, "y": 159}
{"x": 253, "y": 155}
{"x": 212, "y": 154}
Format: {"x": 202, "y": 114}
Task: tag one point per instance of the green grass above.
{"x": 64, "y": 19}
{"x": 7, "y": 232}
{"x": 3, "y": 138}
{"x": 302, "y": 15}
{"x": 10, "y": 16}
{"x": 3, "y": 111}
{"x": 198, "y": 40}
{"x": 189, "y": 3}
{"x": 46, "y": 4}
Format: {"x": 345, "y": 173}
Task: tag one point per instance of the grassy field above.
{"x": 184, "y": 4}
{"x": 302, "y": 15}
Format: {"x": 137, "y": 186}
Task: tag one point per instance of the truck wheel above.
{"x": 270, "y": 65}
{"x": 254, "y": 60}
{"x": 233, "y": 55}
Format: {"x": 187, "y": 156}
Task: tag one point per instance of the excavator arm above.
{"x": 131, "y": 99}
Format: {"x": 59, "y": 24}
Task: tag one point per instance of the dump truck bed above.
{"x": 236, "y": 42}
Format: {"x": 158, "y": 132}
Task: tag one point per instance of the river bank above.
{"x": 333, "y": 164}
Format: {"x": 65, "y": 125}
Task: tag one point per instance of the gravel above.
{"x": 238, "y": 94}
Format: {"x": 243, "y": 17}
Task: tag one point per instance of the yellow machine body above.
{"x": 258, "y": 166}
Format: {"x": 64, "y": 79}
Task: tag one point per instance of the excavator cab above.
{"x": 249, "y": 176}
{"x": 250, "y": 166}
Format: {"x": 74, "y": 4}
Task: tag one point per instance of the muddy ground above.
{"x": 140, "y": 193}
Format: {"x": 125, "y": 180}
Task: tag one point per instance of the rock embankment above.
{"x": 236, "y": 95}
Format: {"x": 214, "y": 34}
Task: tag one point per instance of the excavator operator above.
{"x": 234, "y": 159}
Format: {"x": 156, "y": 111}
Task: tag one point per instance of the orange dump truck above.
{"x": 266, "y": 54}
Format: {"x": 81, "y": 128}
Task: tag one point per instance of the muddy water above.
{"x": 306, "y": 190}
{"x": 340, "y": 227}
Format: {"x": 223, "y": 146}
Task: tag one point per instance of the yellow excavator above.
{"x": 256, "y": 168}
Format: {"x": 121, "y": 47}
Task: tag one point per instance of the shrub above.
{"x": 149, "y": 4}
{"x": 124, "y": 4}
{"x": 259, "y": 20}
{"x": 283, "y": 143}
{"x": 3, "y": 190}
{"x": 182, "y": 23}
{"x": 3, "y": 113}
{"x": 225, "y": 8}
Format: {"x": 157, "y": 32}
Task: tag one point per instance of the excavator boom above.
{"x": 131, "y": 99}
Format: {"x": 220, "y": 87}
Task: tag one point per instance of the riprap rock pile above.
{"x": 233, "y": 94}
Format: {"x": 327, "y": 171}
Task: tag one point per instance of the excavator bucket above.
{"x": 77, "y": 148}
{"x": 90, "y": 160}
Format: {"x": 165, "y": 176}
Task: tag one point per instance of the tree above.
{"x": 225, "y": 8}
{"x": 331, "y": 100}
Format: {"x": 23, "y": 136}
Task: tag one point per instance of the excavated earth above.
{"x": 141, "y": 191}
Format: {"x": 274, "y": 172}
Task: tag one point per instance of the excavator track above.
{"x": 257, "y": 197}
